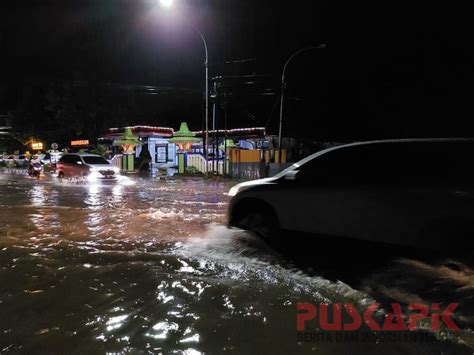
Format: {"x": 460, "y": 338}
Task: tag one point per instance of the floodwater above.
{"x": 149, "y": 267}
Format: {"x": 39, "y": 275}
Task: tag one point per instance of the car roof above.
{"x": 381, "y": 141}
{"x": 393, "y": 141}
{"x": 84, "y": 155}
{"x": 90, "y": 155}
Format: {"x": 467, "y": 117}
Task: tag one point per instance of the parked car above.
{"x": 94, "y": 167}
{"x": 21, "y": 161}
{"x": 9, "y": 161}
{"x": 417, "y": 192}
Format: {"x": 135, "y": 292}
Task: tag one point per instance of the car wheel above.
{"x": 260, "y": 221}
{"x": 61, "y": 175}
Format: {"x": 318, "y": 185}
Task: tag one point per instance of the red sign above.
{"x": 394, "y": 320}
{"x": 80, "y": 143}
{"x": 37, "y": 146}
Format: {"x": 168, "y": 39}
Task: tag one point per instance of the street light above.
{"x": 168, "y": 4}
{"x": 283, "y": 89}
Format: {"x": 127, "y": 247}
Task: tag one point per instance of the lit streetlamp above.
{"x": 283, "y": 89}
{"x": 168, "y": 4}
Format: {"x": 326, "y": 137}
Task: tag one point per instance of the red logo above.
{"x": 331, "y": 317}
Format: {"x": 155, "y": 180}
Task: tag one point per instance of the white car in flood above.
{"x": 93, "y": 167}
{"x": 415, "y": 192}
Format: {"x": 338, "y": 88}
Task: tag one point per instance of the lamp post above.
{"x": 168, "y": 4}
{"x": 283, "y": 89}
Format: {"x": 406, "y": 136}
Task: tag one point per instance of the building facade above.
{"x": 156, "y": 150}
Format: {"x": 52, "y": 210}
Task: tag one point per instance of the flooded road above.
{"x": 150, "y": 267}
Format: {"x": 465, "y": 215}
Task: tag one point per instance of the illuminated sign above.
{"x": 80, "y": 143}
{"x": 37, "y": 146}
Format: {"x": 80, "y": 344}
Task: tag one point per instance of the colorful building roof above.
{"x": 127, "y": 138}
{"x": 253, "y": 132}
{"x": 184, "y": 135}
{"x": 146, "y": 131}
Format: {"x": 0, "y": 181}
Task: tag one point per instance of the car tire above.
{"x": 261, "y": 221}
{"x": 60, "y": 175}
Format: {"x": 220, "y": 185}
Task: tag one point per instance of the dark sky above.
{"x": 390, "y": 70}
{"x": 135, "y": 40}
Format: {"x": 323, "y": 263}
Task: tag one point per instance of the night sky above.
{"x": 391, "y": 71}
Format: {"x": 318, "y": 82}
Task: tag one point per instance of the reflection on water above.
{"x": 149, "y": 268}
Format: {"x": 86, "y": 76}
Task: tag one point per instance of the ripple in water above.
{"x": 140, "y": 269}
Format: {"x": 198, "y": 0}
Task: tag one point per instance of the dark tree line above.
{"x": 59, "y": 112}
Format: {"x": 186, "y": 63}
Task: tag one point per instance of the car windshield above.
{"x": 298, "y": 164}
{"x": 95, "y": 160}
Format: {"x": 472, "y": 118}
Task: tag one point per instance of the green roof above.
{"x": 229, "y": 145}
{"x": 128, "y": 138}
{"x": 184, "y": 135}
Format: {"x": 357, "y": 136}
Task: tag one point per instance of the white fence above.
{"x": 117, "y": 161}
{"x": 198, "y": 162}
{"x": 216, "y": 167}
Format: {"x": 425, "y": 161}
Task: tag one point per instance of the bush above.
{"x": 102, "y": 150}
{"x": 191, "y": 170}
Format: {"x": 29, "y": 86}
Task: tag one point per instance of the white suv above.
{"x": 94, "y": 167}
{"x": 417, "y": 192}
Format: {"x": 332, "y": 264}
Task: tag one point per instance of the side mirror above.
{"x": 292, "y": 175}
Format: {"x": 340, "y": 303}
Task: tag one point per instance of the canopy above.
{"x": 184, "y": 135}
{"x": 127, "y": 139}
{"x": 229, "y": 145}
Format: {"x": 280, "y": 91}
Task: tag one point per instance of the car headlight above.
{"x": 233, "y": 191}
{"x": 92, "y": 178}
